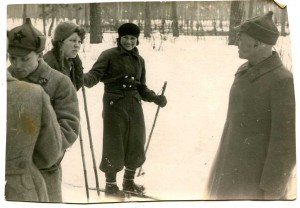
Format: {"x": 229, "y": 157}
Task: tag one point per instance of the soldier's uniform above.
{"x": 33, "y": 141}
{"x": 62, "y": 95}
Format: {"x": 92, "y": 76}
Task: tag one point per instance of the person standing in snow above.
{"x": 122, "y": 70}
{"x": 257, "y": 150}
{"x": 33, "y": 141}
{"x": 63, "y": 57}
{"x": 26, "y": 45}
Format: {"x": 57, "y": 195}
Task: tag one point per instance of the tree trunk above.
{"x": 44, "y": 18}
{"x": 236, "y": 16}
{"x": 250, "y": 9}
{"x": 54, "y": 7}
{"x": 175, "y": 19}
{"x": 283, "y": 21}
{"x": 95, "y": 18}
{"x": 147, "y": 30}
{"x": 24, "y": 12}
{"x": 86, "y": 17}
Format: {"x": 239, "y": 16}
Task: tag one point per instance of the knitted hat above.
{"x": 129, "y": 29}
{"x": 25, "y": 39}
{"x": 261, "y": 28}
{"x": 64, "y": 30}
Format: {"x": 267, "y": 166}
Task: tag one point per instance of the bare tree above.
{"x": 44, "y": 15}
{"x": 147, "y": 30}
{"x": 250, "y": 9}
{"x": 236, "y": 16}
{"x": 95, "y": 18}
{"x": 174, "y": 19}
{"x": 24, "y": 12}
{"x": 283, "y": 21}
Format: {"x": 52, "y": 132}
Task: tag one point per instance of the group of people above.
{"x": 43, "y": 112}
{"x": 257, "y": 149}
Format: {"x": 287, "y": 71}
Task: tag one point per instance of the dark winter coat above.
{"x": 33, "y": 141}
{"x": 65, "y": 104}
{"x": 257, "y": 150}
{"x": 71, "y": 68}
{"x": 124, "y": 75}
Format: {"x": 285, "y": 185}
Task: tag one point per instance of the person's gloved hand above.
{"x": 161, "y": 101}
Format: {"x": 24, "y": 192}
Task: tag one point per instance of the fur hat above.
{"x": 25, "y": 39}
{"x": 261, "y": 28}
{"x": 129, "y": 29}
{"x": 63, "y": 30}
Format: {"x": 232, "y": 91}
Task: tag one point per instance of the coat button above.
{"x": 124, "y": 86}
{"x": 111, "y": 102}
{"x": 130, "y": 85}
{"x": 22, "y": 165}
{"x": 242, "y": 125}
{"x": 126, "y": 77}
{"x": 132, "y": 78}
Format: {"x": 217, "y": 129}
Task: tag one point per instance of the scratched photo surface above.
{"x": 190, "y": 46}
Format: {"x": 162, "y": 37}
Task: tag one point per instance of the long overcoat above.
{"x": 64, "y": 101}
{"x": 257, "y": 148}
{"x": 33, "y": 141}
{"x": 124, "y": 76}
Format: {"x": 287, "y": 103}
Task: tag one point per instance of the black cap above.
{"x": 261, "y": 28}
{"x": 129, "y": 29}
{"x": 25, "y": 39}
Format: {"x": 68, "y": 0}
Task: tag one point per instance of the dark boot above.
{"x": 128, "y": 183}
{"x": 111, "y": 187}
{"x": 112, "y": 190}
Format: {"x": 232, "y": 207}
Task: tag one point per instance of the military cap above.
{"x": 261, "y": 28}
{"x": 129, "y": 29}
{"x": 25, "y": 39}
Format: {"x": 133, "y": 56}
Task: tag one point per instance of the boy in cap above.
{"x": 122, "y": 70}
{"x": 257, "y": 150}
{"x": 26, "y": 45}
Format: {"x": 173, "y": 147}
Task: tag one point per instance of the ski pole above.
{"x": 84, "y": 167}
{"x": 150, "y": 135}
{"x": 90, "y": 139}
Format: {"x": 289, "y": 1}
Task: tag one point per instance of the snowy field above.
{"x": 199, "y": 75}
{"x": 199, "y": 72}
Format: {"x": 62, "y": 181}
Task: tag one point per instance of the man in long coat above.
{"x": 33, "y": 141}
{"x": 257, "y": 149}
{"x": 26, "y": 45}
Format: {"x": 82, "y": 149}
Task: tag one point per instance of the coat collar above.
{"x": 134, "y": 52}
{"x": 41, "y": 74}
{"x": 261, "y": 68}
{"x": 9, "y": 77}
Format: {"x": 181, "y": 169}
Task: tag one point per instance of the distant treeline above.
{"x": 191, "y": 17}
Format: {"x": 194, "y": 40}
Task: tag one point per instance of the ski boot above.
{"x": 133, "y": 189}
{"x": 112, "y": 190}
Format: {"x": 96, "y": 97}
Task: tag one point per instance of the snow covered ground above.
{"x": 199, "y": 75}
{"x": 199, "y": 72}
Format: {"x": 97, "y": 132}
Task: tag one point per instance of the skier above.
{"x": 63, "y": 57}
{"x": 257, "y": 150}
{"x": 26, "y": 45}
{"x": 122, "y": 70}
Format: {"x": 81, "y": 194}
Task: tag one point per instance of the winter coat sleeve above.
{"x": 281, "y": 154}
{"x": 98, "y": 70}
{"x": 78, "y": 72}
{"x": 65, "y": 105}
{"x": 49, "y": 142}
{"x": 146, "y": 94}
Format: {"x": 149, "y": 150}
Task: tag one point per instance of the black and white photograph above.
{"x": 149, "y": 103}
